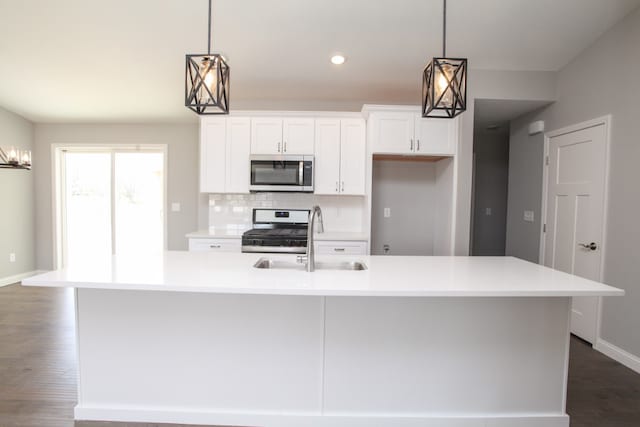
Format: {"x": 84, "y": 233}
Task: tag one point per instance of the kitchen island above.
{"x": 206, "y": 338}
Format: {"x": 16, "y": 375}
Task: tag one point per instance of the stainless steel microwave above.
{"x": 281, "y": 173}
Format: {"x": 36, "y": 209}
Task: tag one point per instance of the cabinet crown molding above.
{"x": 373, "y": 108}
{"x": 289, "y": 114}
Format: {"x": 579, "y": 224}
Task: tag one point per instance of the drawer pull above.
{"x": 338, "y": 249}
{"x": 215, "y": 246}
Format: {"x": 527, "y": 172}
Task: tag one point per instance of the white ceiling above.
{"x": 123, "y": 60}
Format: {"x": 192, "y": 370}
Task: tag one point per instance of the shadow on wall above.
{"x": 490, "y": 182}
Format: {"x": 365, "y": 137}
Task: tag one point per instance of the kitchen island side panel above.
{"x": 280, "y": 361}
{"x": 464, "y": 356}
{"x": 199, "y": 352}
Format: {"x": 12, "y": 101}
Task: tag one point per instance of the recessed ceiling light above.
{"x": 337, "y": 59}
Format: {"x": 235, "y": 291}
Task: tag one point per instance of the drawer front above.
{"x": 341, "y": 248}
{"x": 214, "y": 245}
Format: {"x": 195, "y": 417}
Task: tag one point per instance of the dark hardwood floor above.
{"x": 38, "y": 378}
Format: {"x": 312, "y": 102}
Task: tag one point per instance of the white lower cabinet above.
{"x": 214, "y": 245}
{"x": 340, "y": 247}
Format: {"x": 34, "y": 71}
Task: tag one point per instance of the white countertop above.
{"x": 394, "y": 276}
{"x": 234, "y": 233}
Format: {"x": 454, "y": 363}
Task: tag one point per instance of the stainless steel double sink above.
{"x": 268, "y": 263}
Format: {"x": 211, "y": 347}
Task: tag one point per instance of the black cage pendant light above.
{"x": 444, "y": 82}
{"x": 207, "y": 81}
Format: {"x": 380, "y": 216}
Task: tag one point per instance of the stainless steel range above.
{"x": 277, "y": 231}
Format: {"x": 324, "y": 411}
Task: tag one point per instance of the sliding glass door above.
{"x": 111, "y": 201}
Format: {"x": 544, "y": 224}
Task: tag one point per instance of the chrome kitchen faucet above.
{"x": 309, "y": 259}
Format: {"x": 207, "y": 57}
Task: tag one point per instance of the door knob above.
{"x": 591, "y": 246}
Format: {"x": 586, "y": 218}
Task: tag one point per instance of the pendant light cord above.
{"x": 444, "y": 28}
{"x": 209, "y": 38}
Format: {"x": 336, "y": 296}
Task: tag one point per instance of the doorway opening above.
{"x": 493, "y": 195}
{"x": 109, "y": 200}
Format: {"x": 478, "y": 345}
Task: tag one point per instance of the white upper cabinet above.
{"x": 339, "y": 146}
{"x": 435, "y": 136}
{"x": 213, "y": 135}
{"x": 224, "y": 154}
{"x": 238, "y": 148}
{"x": 275, "y": 135}
{"x": 408, "y": 133}
{"x": 327, "y": 157}
{"x": 298, "y": 136}
{"x": 340, "y": 157}
{"x": 394, "y": 132}
{"x": 266, "y": 135}
{"x": 353, "y": 138}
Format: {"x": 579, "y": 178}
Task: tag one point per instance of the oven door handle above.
{"x": 301, "y": 173}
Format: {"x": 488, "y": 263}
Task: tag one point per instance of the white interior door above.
{"x": 575, "y": 215}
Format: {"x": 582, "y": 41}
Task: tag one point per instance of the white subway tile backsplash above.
{"x": 234, "y": 211}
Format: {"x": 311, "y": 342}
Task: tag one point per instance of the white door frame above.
{"x": 57, "y": 170}
{"x": 606, "y": 121}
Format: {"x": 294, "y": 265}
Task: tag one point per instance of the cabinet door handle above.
{"x": 342, "y": 187}
{"x": 285, "y": 146}
{"x": 417, "y": 145}
{"x": 215, "y": 246}
{"x": 338, "y": 249}
{"x": 278, "y": 147}
{"x": 337, "y": 188}
{"x": 411, "y": 145}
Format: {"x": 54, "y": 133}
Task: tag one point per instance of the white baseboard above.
{"x": 153, "y": 415}
{"x": 619, "y": 355}
{"x": 4, "y": 281}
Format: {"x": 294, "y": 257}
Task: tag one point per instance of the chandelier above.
{"x": 207, "y": 81}
{"x": 15, "y": 159}
{"x": 444, "y": 82}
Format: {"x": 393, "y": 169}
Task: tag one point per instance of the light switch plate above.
{"x": 387, "y": 212}
{"x": 529, "y": 216}
{"x": 12, "y": 257}
{"x": 175, "y": 207}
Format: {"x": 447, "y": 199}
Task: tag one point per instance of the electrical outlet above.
{"x": 487, "y": 211}
{"x": 12, "y": 257}
{"x": 175, "y": 207}
{"x": 528, "y": 216}
{"x": 387, "y": 212}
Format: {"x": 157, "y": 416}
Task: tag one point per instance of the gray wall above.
{"x": 604, "y": 80}
{"x": 525, "y": 189}
{"x": 182, "y": 177}
{"x": 408, "y": 189}
{"x": 491, "y": 150}
{"x": 17, "y": 205}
